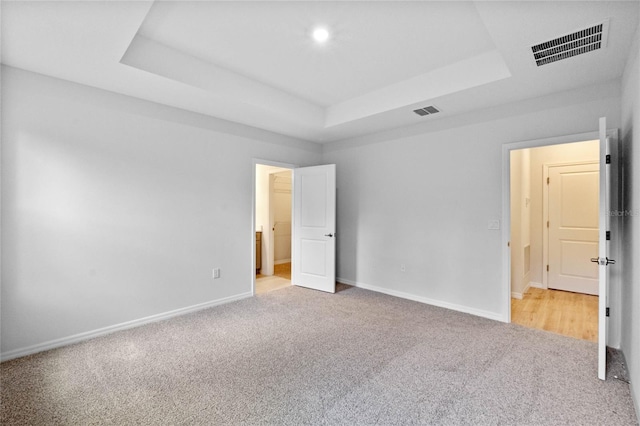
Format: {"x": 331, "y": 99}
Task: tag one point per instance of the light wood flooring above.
{"x": 562, "y": 312}
{"x": 281, "y": 278}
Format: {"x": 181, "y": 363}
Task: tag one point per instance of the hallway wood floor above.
{"x": 561, "y": 312}
{"x": 282, "y": 270}
{"x": 281, "y": 278}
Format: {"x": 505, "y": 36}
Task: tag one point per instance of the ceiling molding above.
{"x": 253, "y": 63}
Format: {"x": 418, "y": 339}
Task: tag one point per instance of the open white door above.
{"x": 603, "y": 246}
{"x": 314, "y": 227}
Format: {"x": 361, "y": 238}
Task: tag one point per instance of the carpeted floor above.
{"x": 296, "y": 356}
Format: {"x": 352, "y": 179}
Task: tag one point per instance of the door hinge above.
{"x": 547, "y": 181}
{"x": 547, "y": 268}
{"x": 547, "y": 224}
{"x": 607, "y": 312}
{"x": 608, "y": 159}
{"x": 608, "y": 235}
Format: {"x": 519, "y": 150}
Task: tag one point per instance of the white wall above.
{"x": 115, "y": 209}
{"x": 517, "y": 287}
{"x": 282, "y": 217}
{"x": 631, "y": 226}
{"x": 525, "y": 226}
{"x": 423, "y": 198}
{"x": 520, "y": 221}
{"x": 263, "y": 219}
{"x": 262, "y": 197}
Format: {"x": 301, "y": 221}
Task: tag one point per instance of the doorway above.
{"x": 553, "y": 235}
{"x": 313, "y": 226}
{"x": 609, "y": 320}
{"x": 273, "y": 209}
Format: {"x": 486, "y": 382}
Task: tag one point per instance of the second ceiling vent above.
{"x": 426, "y": 110}
{"x": 577, "y": 43}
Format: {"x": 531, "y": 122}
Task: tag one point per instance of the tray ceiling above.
{"x": 255, "y": 62}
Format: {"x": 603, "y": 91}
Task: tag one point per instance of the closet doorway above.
{"x": 273, "y": 213}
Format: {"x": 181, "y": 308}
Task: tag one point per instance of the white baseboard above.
{"x": 516, "y": 295}
{"x": 279, "y": 262}
{"x": 454, "y": 307}
{"x": 537, "y": 285}
{"x": 76, "y": 338}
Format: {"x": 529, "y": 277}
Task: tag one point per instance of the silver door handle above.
{"x": 606, "y": 261}
{"x": 328, "y": 235}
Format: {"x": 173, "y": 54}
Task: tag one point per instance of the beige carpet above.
{"x": 300, "y": 357}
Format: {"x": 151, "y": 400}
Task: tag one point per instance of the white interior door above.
{"x": 603, "y": 246}
{"x": 573, "y": 227}
{"x": 314, "y": 227}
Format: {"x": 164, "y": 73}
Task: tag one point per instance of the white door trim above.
{"x": 254, "y": 163}
{"x": 506, "y": 204}
{"x": 545, "y": 211}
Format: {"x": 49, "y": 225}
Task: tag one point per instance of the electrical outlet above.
{"x": 403, "y": 268}
{"x": 216, "y": 273}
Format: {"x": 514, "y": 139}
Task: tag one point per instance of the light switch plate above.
{"x": 493, "y": 224}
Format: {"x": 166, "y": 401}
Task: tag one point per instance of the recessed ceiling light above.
{"x": 320, "y": 35}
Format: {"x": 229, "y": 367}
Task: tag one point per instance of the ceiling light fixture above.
{"x": 320, "y": 35}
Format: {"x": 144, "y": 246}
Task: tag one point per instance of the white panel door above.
{"x": 314, "y": 227}
{"x": 603, "y": 259}
{"x": 573, "y": 227}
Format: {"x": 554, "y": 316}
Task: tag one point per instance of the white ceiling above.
{"x": 254, "y": 62}
{"x": 378, "y": 43}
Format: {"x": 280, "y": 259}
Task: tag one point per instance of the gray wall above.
{"x": 631, "y": 226}
{"x": 117, "y": 209}
{"x": 424, "y": 199}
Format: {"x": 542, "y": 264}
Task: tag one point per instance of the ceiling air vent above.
{"x": 577, "y": 43}
{"x": 426, "y": 110}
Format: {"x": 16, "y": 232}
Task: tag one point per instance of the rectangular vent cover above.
{"x": 577, "y": 43}
{"x": 426, "y": 110}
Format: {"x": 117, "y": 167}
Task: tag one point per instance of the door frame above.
{"x": 254, "y": 163}
{"x": 614, "y": 293}
{"x": 506, "y": 204}
{"x": 545, "y": 211}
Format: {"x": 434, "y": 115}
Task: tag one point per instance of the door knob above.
{"x": 328, "y": 235}
{"x": 606, "y": 261}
